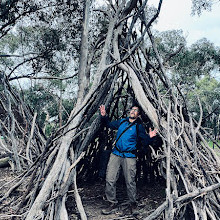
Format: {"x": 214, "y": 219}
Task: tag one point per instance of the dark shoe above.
{"x": 112, "y": 208}
{"x": 134, "y": 208}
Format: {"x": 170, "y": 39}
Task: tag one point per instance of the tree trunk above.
{"x": 124, "y": 72}
{"x": 4, "y": 162}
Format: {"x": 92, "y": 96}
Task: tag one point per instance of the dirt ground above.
{"x": 6, "y": 176}
{"x": 149, "y": 198}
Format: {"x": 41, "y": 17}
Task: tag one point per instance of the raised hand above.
{"x": 152, "y": 133}
{"x": 102, "y": 110}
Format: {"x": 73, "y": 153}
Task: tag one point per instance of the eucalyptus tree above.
{"x": 208, "y": 91}
{"x": 39, "y": 52}
{"x": 114, "y": 69}
{"x": 188, "y": 68}
{"x": 199, "y": 6}
{"x": 47, "y": 51}
{"x": 187, "y": 64}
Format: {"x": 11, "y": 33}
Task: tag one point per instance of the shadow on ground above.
{"x": 149, "y": 198}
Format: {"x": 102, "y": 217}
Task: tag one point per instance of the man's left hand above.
{"x": 152, "y": 133}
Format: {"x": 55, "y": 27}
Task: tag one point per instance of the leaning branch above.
{"x": 181, "y": 199}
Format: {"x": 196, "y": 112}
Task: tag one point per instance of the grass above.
{"x": 216, "y": 148}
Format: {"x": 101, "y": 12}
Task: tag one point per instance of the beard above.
{"x": 132, "y": 117}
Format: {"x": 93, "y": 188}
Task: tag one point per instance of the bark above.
{"x": 124, "y": 72}
{"x": 12, "y": 131}
{"x": 30, "y": 138}
{"x": 82, "y": 77}
{"x": 4, "y": 162}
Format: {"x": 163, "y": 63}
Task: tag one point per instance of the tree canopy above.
{"x": 60, "y": 60}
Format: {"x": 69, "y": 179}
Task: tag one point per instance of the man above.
{"x": 130, "y": 132}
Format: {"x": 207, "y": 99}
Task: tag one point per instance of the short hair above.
{"x": 139, "y": 108}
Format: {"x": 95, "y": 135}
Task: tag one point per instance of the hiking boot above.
{"x": 112, "y": 208}
{"x": 131, "y": 209}
{"x": 134, "y": 208}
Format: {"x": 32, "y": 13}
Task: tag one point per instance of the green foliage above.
{"x": 45, "y": 103}
{"x": 190, "y": 63}
{"x": 49, "y": 47}
{"x": 201, "y": 5}
{"x": 9, "y": 42}
{"x": 8, "y": 9}
{"x": 215, "y": 147}
{"x": 48, "y": 39}
{"x": 192, "y": 69}
{"x": 37, "y": 98}
{"x": 8, "y": 45}
{"x": 169, "y": 41}
{"x": 49, "y": 130}
{"x": 208, "y": 90}
{"x": 197, "y": 61}
{"x": 68, "y": 106}
{"x": 49, "y": 33}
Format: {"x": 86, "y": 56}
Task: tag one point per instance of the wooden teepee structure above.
{"x": 125, "y": 71}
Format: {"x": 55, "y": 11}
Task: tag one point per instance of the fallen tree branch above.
{"x": 189, "y": 196}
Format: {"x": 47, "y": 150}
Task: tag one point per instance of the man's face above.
{"x": 134, "y": 113}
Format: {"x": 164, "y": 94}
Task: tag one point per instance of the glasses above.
{"x": 134, "y": 109}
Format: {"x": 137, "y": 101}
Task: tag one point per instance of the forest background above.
{"x": 59, "y": 60}
{"x": 40, "y": 57}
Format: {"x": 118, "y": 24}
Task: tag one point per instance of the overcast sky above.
{"x": 176, "y": 14}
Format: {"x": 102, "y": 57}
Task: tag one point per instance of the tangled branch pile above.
{"x": 125, "y": 71}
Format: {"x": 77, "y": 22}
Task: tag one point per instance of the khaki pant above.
{"x": 129, "y": 171}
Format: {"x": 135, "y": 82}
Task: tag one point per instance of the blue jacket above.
{"x": 127, "y": 143}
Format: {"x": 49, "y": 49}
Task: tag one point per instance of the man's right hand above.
{"x": 102, "y": 110}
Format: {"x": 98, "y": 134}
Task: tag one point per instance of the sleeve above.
{"x": 143, "y": 137}
{"x": 110, "y": 124}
